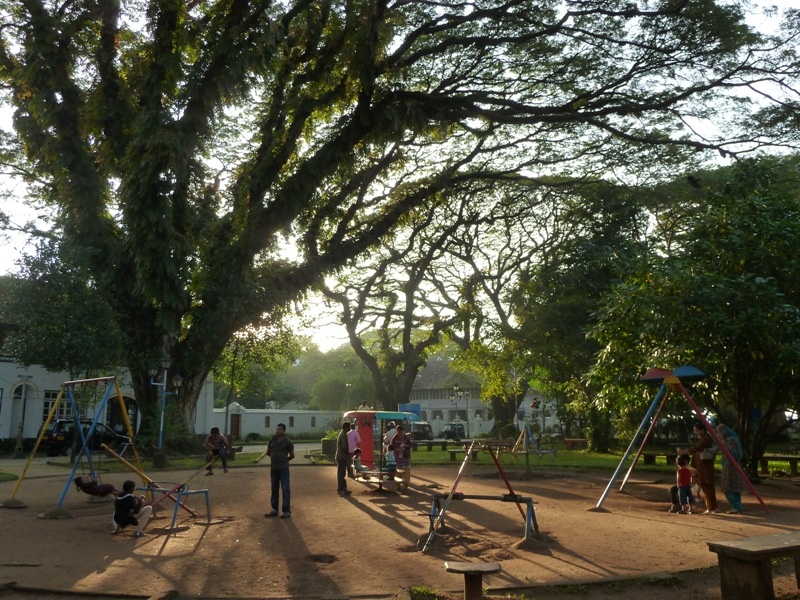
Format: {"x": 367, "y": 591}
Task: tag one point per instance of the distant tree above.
{"x": 188, "y": 146}
{"x": 557, "y": 296}
{"x": 244, "y": 367}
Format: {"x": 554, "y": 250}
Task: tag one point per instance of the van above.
{"x": 454, "y": 430}
{"x": 421, "y": 430}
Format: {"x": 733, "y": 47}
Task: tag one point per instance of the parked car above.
{"x": 58, "y": 436}
{"x": 421, "y": 430}
{"x": 454, "y": 430}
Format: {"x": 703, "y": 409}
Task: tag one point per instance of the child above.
{"x": 391, "y": 463}
{"x": 131, "y": 510}
{"x": 357, "y": 466}
{"x": 684, "y": 476}
{"x": 94, "y": 487}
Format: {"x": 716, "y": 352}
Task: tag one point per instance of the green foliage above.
{"x": 61, "y": 321}
{"x": 250, "y": 362}
{"x": 727, "y": 301}
{"x": 423, "y": 593}
{"x": 214, "y": 161}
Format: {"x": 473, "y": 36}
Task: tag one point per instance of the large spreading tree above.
{"x": 214, "y": 160}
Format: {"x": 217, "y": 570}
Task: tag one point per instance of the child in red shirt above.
{"x": 684, "y": 475}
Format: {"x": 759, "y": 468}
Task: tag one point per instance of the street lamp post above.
{"x": 455, "y": 396}
{"x": 176, "y": 381}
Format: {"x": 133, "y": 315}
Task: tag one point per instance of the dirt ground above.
{"x": 367, "y": 545}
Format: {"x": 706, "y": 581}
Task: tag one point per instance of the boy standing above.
{"x": 684, "y": 476}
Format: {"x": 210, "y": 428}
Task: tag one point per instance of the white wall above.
{"x": 253, "y": 420}
{"x": 42, "y": 384}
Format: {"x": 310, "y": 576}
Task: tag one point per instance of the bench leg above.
{"x": 473, "y": 586}
{"x": 745, "y": 580}
{"x": 797, "y": 569}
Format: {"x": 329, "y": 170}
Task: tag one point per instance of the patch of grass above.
{"x": 7, "y": 476}
{"x": 423, "y": 593}
{"x": 174, "y": 463}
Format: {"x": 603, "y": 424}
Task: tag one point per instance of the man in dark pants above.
{"x": 280, "y": 449}
{"x": 342, "y": 459}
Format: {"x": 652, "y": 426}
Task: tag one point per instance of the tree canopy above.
{"x": 214, "y": 160}
{"x": 725, "y": 300}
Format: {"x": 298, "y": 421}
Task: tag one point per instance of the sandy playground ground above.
{"x": 366, "y": 545}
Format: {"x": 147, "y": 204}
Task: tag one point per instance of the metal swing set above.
{"x": 67, "y": 392}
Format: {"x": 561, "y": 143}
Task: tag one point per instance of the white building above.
{"x": 27, "y": 396}
{"x": 243, "y": 421}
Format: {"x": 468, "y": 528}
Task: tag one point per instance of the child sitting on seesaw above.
{"x": 357, "y": 466}
{"x": 131, "y": 510}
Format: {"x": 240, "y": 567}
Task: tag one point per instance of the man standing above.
{"x": 342, "y": 459}
{"x": 353, "y": 443}
{"x": 280, "y": 449}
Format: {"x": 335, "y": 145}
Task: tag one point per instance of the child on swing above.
{"x": 93, "y": 487}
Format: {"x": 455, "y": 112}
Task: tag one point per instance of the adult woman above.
{"x": 402, "y": 453}
{"x": 703, "y": 462}
{"x": 731, "y": 483}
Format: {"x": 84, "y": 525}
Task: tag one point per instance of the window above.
{"x": 64, "y": 409}
{"x": 266, "y": 421}
{"x": 291, "y": 421}
{"x": 313, "y": 421}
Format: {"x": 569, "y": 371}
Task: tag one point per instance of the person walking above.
{"x": 703, "y": 462}
{"x": 280, "y": 450}
{"x": 342, "y": 459}
{"x": 731, "y": 482}
{"x": 353, "y": 443}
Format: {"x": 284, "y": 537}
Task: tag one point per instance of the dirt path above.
{"x": 365, "y": 545}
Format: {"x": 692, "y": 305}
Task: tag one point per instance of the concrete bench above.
{"x": 791, "y": 459}
{"x": 473, "y": 576}
{"x": 461, "y": 451}
{"x": 572, "y": 443}
{"x": 745, "y": 565}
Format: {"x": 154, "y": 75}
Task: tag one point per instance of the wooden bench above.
{"x": 473, "y": 576}
{"x": 457, "y": 451}
{"x": 428, "y": 445}
{"x": 649, "y": 457}
{"x": 745, "y": 565}
{"x": 791, "y": 459}
{"x": 572, "y": 443}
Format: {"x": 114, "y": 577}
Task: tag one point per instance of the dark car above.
{"x": 454, "y": 430}
{"x": 421, "y": 430}
{"x": 58, "y": 436}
